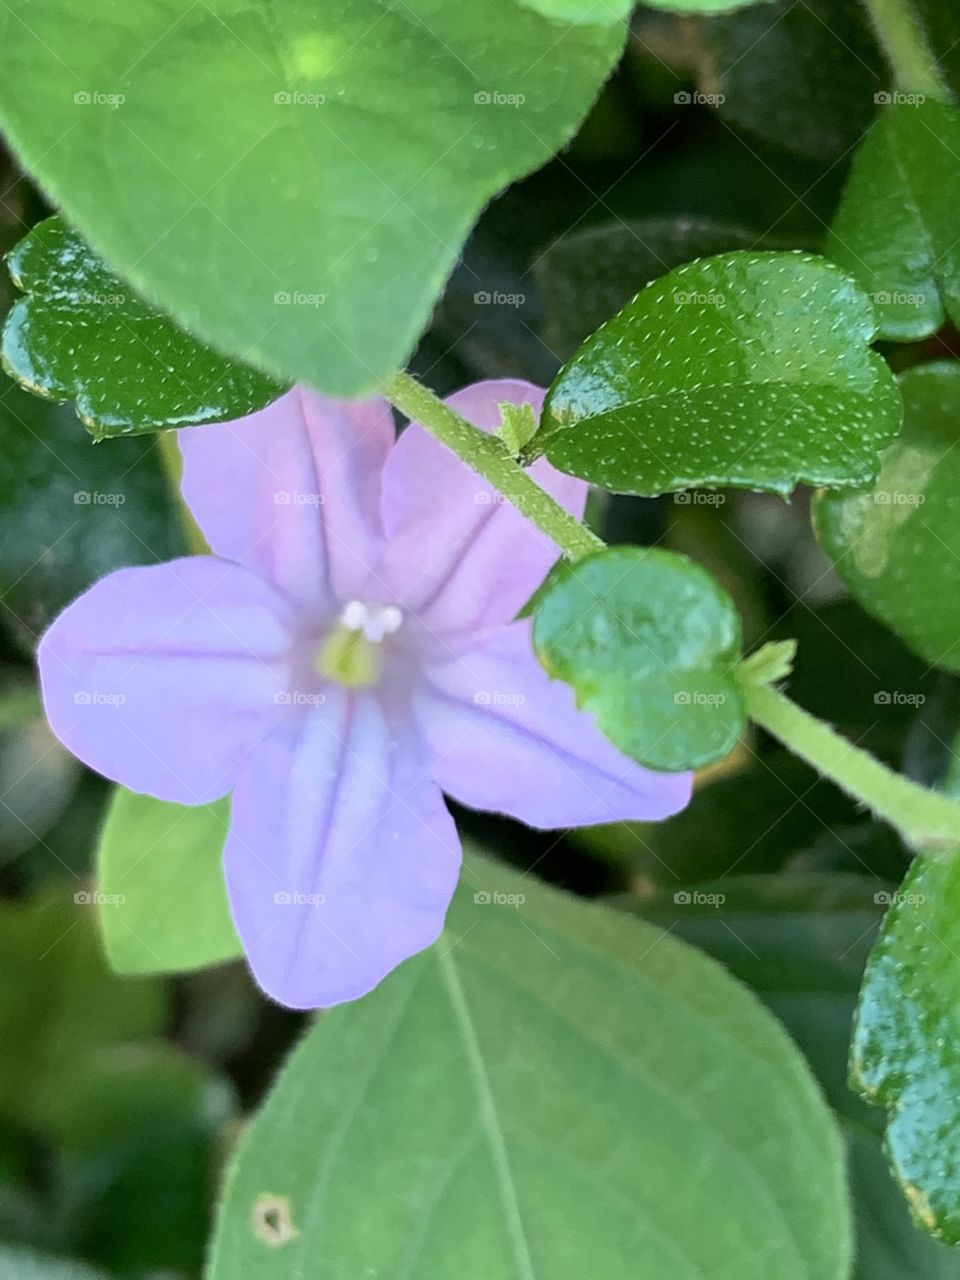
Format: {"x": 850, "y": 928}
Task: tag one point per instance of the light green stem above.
{"x": 925, "y": 819}
{"x": 173, "y": 465}
{"x": 904, "y": 42}
{"x": 490, "y": 458}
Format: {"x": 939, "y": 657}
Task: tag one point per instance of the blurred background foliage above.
{"x": 119, "y": 1098}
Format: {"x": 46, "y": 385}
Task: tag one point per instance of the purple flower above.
{"x": 348, "y": 653}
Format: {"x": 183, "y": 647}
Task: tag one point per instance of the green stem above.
{"x": 489, "y": 457}
{"x": 173, "y": 466}
{"x": 904, "y": 42}
{"x": 925, "y": 819}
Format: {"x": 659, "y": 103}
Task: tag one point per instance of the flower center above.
{"x": 351, "y": 654}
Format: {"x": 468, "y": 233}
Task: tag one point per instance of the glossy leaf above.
{"x": 905, "y": 1051}
{"x": 649, "y": 642}
{"x": 81, "y": 334}
{"x": 308, "y": 226}
{"x": 587, "y": 11}
{"x": 895, "y": 230}
{"x": 59, "y": 1002}
{"x": 747, "y": 370}
{"x": 162, "y": 862}
{"x": 70, "y": 510}
{"x": 589, "y": 274}
{"x": 897, "y": 545}
{"x": 571, "y": 1044}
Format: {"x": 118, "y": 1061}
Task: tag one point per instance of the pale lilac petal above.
{"x": 342, "y": 857}
{"x": 459, "y": 557}
{"x": 508, "y": 738}
{"x": 294, "y": 491}
{"x": 161, "y": 677}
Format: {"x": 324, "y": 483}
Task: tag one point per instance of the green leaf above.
{"x": 896, "y": 545}
{"x": 588, "y": 11}
{"x": 747, "y": 370}
{"x": 59, "y": 1002}
{"x": 700, "y": 6}
{"x": 905, "y": 1049}
{"x": 589, "y": 274}
{"x": 308, "y": 228}
{"x": 801, "y": 77}
{"x": 895, "y": 230}
{"x": 650, "y": 642}
{"x": 71, "y": 511}
{"x": 801, "y": 941}
{"x": 81, "y": 334}
{"x": 530, "y": 1098}
{"x": 25, "y": 1264}
{"x": 159, "y": 871}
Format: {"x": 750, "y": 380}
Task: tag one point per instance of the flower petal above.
{"x": 342, "y": 857}
{"x": 508, "y": 738}
{"x": 459, "y": 556}
{"x": 161, "y": 677}
{"x": 294, "y": 491}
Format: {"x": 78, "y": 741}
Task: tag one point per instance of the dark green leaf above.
{"x": 589, "y": 274}
{"x": 897, "y": 545}
{"x": 70, "y": 510}
{"x": 589, "y": 1063}
{"x": 896, "y": 228}
{"x": 747, "y": 370}
{"x": 649, "y": 642}
{"x": 307, "y": 223}
{"x": 162, "y": 861}
{"x": 59, "y": 1002}
{"x": 905, "y": 1053}
{"x": 801, "y": 943}
{"x": 82, "y": 334}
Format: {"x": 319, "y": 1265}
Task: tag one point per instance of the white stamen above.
{"x": 375, "y": 620}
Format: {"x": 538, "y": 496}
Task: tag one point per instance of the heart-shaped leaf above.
{"x": 650, "y": 642}
{"x": 897, "y": 544}
{"x": 160, "y": 877}
{"x": 292, "y": 181}
{"x": 747, "y": 370}
{"x": 589, "y": 1063}
{"x": 906, "y": 1053}
{"x": 896, "y": 228}
{"x": 82, "y": 334}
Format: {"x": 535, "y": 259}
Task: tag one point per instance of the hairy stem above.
{"x": 925, "y": 819}
{"x": 489, "y": 457}
{"x": 904, "y": 42}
